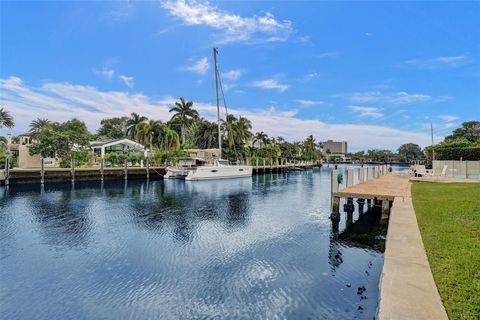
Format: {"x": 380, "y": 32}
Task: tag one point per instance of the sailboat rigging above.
{"x": 206, "y": 165}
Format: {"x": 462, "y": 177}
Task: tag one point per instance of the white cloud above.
{"x": 232, "y": 27}
{"x": 200, "y": 66}
{"x": 127, "y": 80}
{"x": 310, "y": 76}
{"x": 368, "y": 34}
{"x": 270, "y": 84}
{"x": 232, "y": 74}
{"x": 438, "y": 62}
{"x": 309, "y": 102}
{"x": 398, "y": 98}
{"x": 63, "y": 101}
{"x": 107, "y": 73}
{"x": 448, "y": 118}
{"x": 367, "y": 112}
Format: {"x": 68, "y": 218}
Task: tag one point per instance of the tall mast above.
{"x": 215, "y": 51}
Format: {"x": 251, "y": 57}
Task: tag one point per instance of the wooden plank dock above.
{"x": 383, "y": 188}
{"x": 378, "y": 186}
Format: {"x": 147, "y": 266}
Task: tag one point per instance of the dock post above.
{"x": 361, "y": 204}
{"x": 361, "y": 175}
{"x": 349, "y": 208}
{"x": 350, "y": 173}
{"x": 102, "y": 172}
{"x": 335, "y": 200}
{"x": 42, "y": 170}
{"x": 72, "y": 169}
{"x": 385, "y": 211}
{"x": 369, "y": 203}
{"x": 126, "y": 169}
{"x": 335, "y": 208}
{"x": 7, "y": 172}
{"x": 148, "y": 167}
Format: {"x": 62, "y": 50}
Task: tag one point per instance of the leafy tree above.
{"x": 380, "y": 155}
{"x": 6, "y": 119}
{"x": 132, "y": 124}
{"x": 410, "y": 151}
{"x": 184, "y": 112}
{"x": 469, "y": 131}
{"x": 113, "y": 128}
{"x": 61, "y": 139}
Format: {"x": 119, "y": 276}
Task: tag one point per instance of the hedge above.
{"x": 457, "y": 153}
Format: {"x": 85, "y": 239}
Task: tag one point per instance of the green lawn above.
{"x": 449, "y": 219}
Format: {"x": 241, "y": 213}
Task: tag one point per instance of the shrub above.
{"x": 457, "y": 153}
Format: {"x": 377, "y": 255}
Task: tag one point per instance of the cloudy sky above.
{"x": 375, "y": 74}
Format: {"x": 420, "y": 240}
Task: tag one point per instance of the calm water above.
{"x": 259, "y": 248}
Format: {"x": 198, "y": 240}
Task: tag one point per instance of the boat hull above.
{"x": 219, "y": 172}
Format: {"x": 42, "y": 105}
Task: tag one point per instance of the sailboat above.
{"x": 199, "y": 168}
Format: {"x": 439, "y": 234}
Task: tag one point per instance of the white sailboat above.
{"x": 199, "y": 169}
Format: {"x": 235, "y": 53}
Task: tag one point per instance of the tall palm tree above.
{"x": 36, "y": 126}
{"x": 6, "y": 119}
{"x": 132, "y": 124}
{"x": 184, "y": 112}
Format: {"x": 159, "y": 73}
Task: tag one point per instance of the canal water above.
{"x": 251, "y": 248}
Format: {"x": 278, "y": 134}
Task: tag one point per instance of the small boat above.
{"x": 213, "y": 166}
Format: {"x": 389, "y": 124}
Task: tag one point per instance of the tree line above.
{"x": 187, "y": 130}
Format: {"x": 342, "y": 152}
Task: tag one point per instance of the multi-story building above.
{"x": 334, "y": 147}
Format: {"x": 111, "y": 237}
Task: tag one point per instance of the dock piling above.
{"x": 42, "y": 170}
{"x": 72, "y": 169}
{"x": 385, "y": 211}
{"x": 7, "y": 172}
{"x": 102, "y": 166}
{"x": 126, "y": 169}
{"x": 148, "y": 167}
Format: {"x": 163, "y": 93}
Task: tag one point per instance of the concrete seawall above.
{"x": 407, "y": 287}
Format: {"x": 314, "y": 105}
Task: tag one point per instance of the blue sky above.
{"x": 372, "y": 73}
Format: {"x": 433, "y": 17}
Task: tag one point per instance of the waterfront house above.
{"x": 123, "y": 145}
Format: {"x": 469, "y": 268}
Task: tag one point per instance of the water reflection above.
{"x": 243, "y": 248}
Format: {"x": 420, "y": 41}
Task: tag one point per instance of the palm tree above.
{"x": 6, "y": 120}
{"x": 309, "y": 147}
{"x": 242, "y": 129}
{"x": 3, "y": 142}
{"x": 230, "y": 123}
{"x": 132, "y": 124}
{"x": 261, "y": 137}
{"x": 203, "y": 134}
{"x": 147, "y": 131}
{"x": 184, "y": 112}
{"x": 168, "y": 138}
{"x": 36, "y": 126}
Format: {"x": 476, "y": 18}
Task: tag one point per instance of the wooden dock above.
{"x": 383, "y": 188}
{"x": 376, "y": 185}
{"x": 37, "y": 175}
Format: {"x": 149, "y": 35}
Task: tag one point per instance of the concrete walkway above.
{"x": 407, "y": 288}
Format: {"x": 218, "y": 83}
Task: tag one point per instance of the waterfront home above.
{"x": 123, "y": 145}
